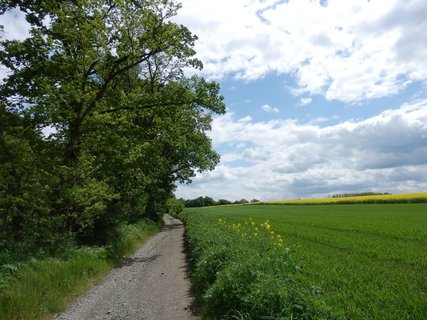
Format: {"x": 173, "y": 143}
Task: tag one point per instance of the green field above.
{"x": 369, "y": 260}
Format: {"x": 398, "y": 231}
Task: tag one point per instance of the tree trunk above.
{"x": 72, "y": 150}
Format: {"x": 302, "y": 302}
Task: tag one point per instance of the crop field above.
{"x": 368, "y": 261}
{"x": 420, "y": 197}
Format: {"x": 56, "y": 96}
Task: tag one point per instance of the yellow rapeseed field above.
{"x": 409, "y": 197}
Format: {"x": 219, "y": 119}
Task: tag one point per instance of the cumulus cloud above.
{"x": 15, "y": 25}
{"x": 282, "y": 159}
{"x": 350, "y": 51}
{"x": 269, "y": 109}
{"x": 15, "y": 28}
{"x": 305, "y": 101}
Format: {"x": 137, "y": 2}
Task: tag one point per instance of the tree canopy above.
{"x": 98, "y": 120}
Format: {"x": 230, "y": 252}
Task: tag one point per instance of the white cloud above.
{"x": 345, "y": 50}
{"x": 230, "y": 157}
{"x": 15, "y": 25}
{"x": 15, "y": 28}
{"x": 305, "y": 101}
{"x": 319, "y": 120}
{"x": 350, "y": 50}
{"x": 282, "y": 159}
{"x": 269, "y": 109}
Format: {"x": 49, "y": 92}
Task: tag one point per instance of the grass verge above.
{"x": 243, "y": 271}
{"x": 41, "y": 288}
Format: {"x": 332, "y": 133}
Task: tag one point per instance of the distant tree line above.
{"x": 358, "y": 194}
{"x": 208, "y": 201}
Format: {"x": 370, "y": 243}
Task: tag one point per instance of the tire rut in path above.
{"x": 152, "y": 284}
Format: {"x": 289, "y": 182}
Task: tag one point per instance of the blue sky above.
{"x": 245, "y": 98}
{"x": 323, "y": 97}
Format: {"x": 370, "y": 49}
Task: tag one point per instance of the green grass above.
{"x": 243, "y": 271}
{"x": 39, "y": 289}
{"x": 369, "y": 260}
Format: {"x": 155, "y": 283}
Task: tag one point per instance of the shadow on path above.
{"x": 172, "y": 227}
{"x": 126, "y": 262}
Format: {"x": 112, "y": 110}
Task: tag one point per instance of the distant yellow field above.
{"x": 408, "y": 197}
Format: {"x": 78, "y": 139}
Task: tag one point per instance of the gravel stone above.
{"x": 152, "y": 284}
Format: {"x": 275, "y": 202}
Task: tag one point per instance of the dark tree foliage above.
{"x": 98, "y": 122}
{"x": 208, "y": 201}
{"x": 223, "y": 202}
{"x": 358, "y": 194}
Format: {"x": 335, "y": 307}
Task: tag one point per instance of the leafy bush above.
{"x": 128, "y": 238}
{"x": 244, "y": 271}
{"x": 174, "y": 206}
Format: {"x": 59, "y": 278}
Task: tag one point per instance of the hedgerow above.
{"x": 245, "y": 271}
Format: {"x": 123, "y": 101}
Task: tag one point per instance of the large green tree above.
{"x": 106, "y": 79}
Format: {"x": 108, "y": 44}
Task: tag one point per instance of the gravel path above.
{"x": 152, "y": 284}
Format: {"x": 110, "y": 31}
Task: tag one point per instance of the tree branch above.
{"x": 149, "y": 106}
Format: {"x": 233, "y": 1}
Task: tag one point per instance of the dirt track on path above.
{"x": 152, "y": 284}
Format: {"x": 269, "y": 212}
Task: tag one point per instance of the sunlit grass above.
{"x": 245, "y": 271}
{"x": 370, "y": 261}
{"x": 39, "y": 289}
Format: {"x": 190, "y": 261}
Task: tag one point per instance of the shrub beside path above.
{"x": 151, "y": 284}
